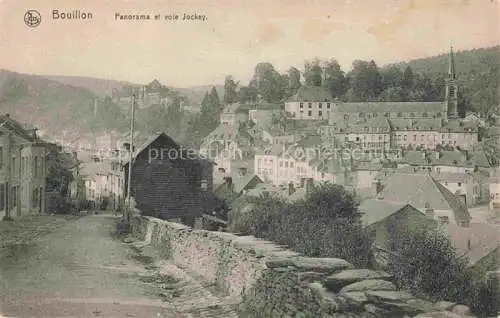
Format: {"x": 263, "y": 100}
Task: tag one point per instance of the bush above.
{"x": 325, "y": 224}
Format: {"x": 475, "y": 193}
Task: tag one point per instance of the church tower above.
{"x": 451, "y": 95}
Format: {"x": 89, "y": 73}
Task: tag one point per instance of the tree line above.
{"x": 419, "y": 81}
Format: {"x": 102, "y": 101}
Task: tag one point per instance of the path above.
{"x": 82, "y": 271}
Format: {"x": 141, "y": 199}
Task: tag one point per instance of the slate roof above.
{"x": 311, "y": 94}
{"x": 402, "y": 124}
{"x": 368, "y": 166}
{"x": 16, "y": 127}
{"x": 266, "y": 106}
{"x": 310, "y": 141}
{"x": 390, "y": 107}
{"x": 238, "y": 184}
{"x": 484, "y": 239}
{"x": 460, "y": 126}
{"x": 420, "y": 189}
{"x": 446, "y": 158}
{"x": 374, "y": 210}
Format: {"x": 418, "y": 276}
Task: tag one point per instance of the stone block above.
{"x": 337, "y": 281}
{"x": 322, "y": 265}
{"x": 309, "y": 277}
{"x": 461, "y": 310}
{"x": 369, "y": 284}
{"x": 438, "y": 314}
{"x": 444, "y": 305}
{"x": 357, "y": 298}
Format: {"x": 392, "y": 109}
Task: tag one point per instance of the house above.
{"x": 96, "y": 175}
{"x": 264, "y": 114}
{"x": 494, "y": 189}
{"x": 168, "y": 180}
{"x": 234, "y": 114}
{"x": 479, "y": 243}
{"x": 373, "y": 133}
{"x": 277, "y": 136}
{"x": 364, "y": 175}
{"x": 288, "y": 192}
{"x": 383, "y": 219}
{"x": 424, "y": 192}
{"x": 23, "y": 169}
{"x": 410, "y": 132}
{"x": 237, "y": 184}
{"x": 310, "y": 102}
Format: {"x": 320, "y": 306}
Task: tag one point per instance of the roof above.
{"x": 390, "y": 107}
{"x": 421, "y": 189}
{"x": 311, "y": 94}
{"x": 446, "y": 158}
{"x": 402, "y": 124}
{"x": 374, "y": 210}
{"x": 310, "y": 141}
{"x": 483, "y": 238}
{"x": 265, "y": 106}
{"x": 456, "y": 126}
{"x": 16, "y": 127}
{"x": 368, "y": 166}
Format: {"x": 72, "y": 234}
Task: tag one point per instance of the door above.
{"x": 40, "y": 201}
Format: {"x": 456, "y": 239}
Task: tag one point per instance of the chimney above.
{"x": 429, "y": 212}
{"x": 309, "y": 185}
{"x": 376, "y": 187}
{"x": 291, "y": 189}
{"x": 243, "y": 171}
{"x": 229, "y": 181}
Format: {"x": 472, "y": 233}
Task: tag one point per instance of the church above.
{"x": 447, "y": 110}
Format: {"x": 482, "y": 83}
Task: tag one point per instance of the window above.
{"x": 412, "y": 115}
{"x": 286, "y": 164}
{"x": 405, "y": 137}
{"x": 444, "y": 219}
{"x": 460, "y": 184}
{"x": 281, "y": 164}
{"x": 204, "y": 185}
{"x": 291, "y": 164}
{"x": 35, "y": 166}
{"x": 301, "y": 105}
{"x": 13, "y": 168}
{"x": 1, "y": 157}
{"x": 2, "y": 197}
{"x": 400, "y": 114}
{"x": 310, "y": 105}
{"x": 35, "y": 198}
{"x": 320, "y": 113}
{"x": 328, "y": 105}
{"x": 380, "y": 137}
{"x": 309, "y": 113}
{"x": 320, "y": 105}
{"x": 414, "y": 137}
{"x": 425, "y": 115}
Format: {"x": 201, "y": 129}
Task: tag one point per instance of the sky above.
{"x": 236, "y": 36}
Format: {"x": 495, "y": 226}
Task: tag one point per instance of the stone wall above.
{"x": 271, "y": 281}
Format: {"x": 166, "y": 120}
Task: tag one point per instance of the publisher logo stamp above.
{"x": 32, "y": 18}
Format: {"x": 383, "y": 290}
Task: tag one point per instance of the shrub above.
{"x": 324, "y": 224}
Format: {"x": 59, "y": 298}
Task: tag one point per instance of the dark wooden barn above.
{"x": 168, "y": 180}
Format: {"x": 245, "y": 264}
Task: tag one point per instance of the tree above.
{"x": 335, "y": 82}
{"x": 293, "y": 81}
{"x": 365, "y": 81}
{"x": 408, "y": 79}
{"x": 324, "y": 224}
{"x": 313, "y": 73}
{"x": 268, "y": 83}
{"x": 230, "y": 94}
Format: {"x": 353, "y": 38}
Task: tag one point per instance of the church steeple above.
{"x": 451, "y": 96}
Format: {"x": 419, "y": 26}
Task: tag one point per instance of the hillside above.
{"x": 102, "y": 87}
{"x": 477, "y": 74}
{"x": 98, "y": 86}
{"x": 53, "y": 106}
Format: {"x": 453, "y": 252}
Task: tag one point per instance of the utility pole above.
{"x": 131, "y": 157}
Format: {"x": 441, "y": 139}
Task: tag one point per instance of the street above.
{"x": 82, "y": 270}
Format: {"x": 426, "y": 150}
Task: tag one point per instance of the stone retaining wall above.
{"x": 271, "y": 281}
